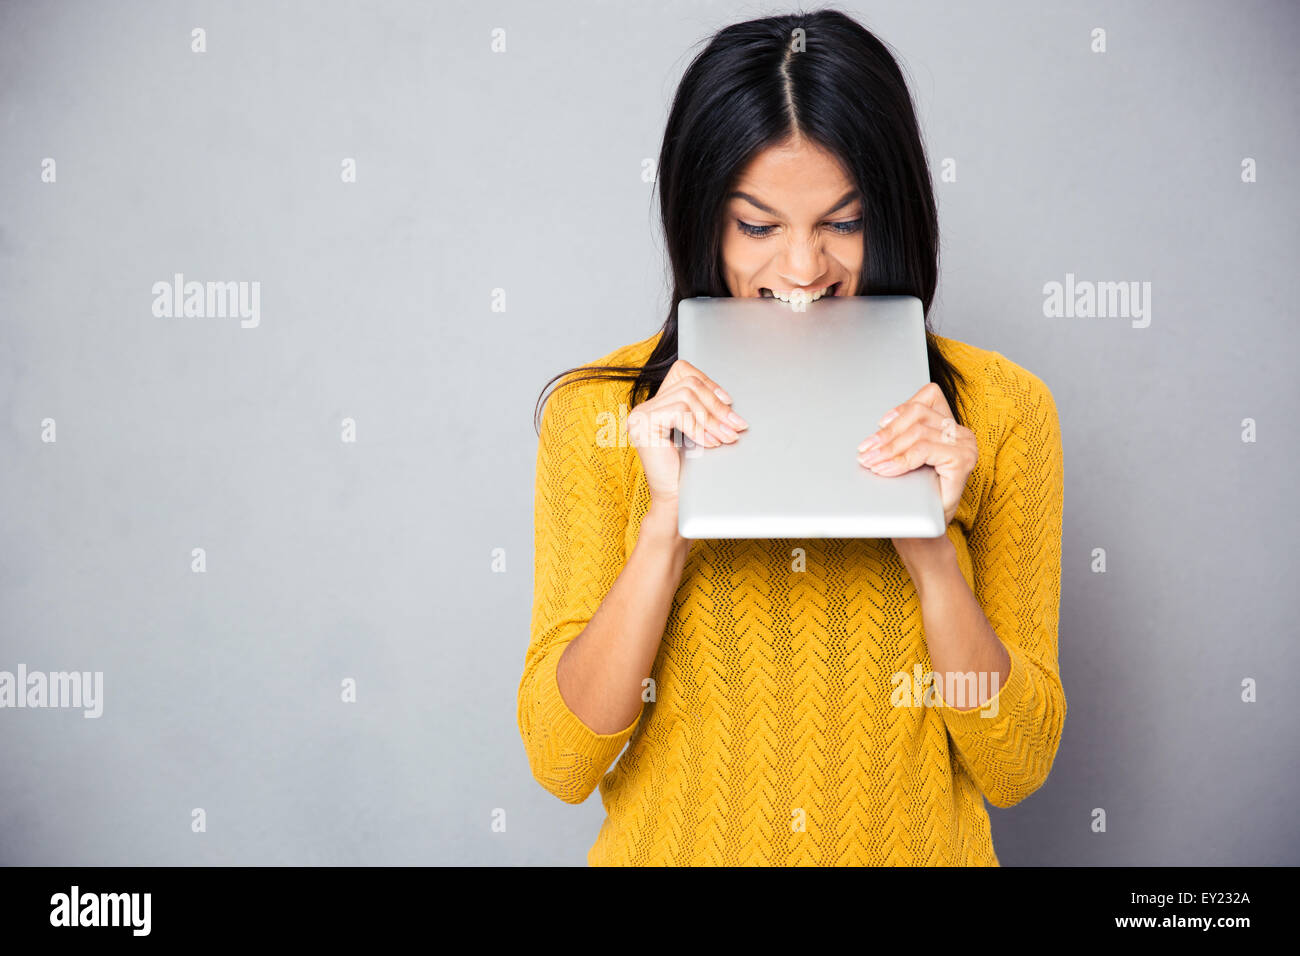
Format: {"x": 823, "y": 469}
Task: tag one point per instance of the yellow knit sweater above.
{"x": 779, "y": 733}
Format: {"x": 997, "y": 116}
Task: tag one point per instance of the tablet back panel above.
{"x": 812, "y": 385}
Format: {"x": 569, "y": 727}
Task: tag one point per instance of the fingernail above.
{"x": 869, "y": 443}
{"x": 887, "y": 419}
{"x": 722, "y": 395}
{"x": 737, "y": 420}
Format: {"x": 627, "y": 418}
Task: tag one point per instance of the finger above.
{"x": 696, "y": 423}
{"x": 909, "y": 449}
{"x": 907, "y": 459}
{"x": 928, "y": 399}
{"x": 690, "y": 419}
{"x": 926, "y": 446}
{"x": 898, "y": 420}
{"x": 931, "y": 395}
{"x": 720, "y": 412}
{"x": 687, "y": 369}
{"x": 710, "y": 410}
{"x": 656, "y": 419}
{"x": 651, "y": 423}
{"x": 684, "y": 410}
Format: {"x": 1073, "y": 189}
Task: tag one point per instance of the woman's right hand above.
{"x": 686, "y": 401}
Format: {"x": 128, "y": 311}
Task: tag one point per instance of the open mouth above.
{"x": 830, "y": 290}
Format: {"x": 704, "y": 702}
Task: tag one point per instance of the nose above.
{"x": 804, "y": 265}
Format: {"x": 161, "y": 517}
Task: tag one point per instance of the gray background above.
{"x": 522, "y": 171}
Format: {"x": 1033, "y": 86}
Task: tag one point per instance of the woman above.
{"x": 778, "y": 698}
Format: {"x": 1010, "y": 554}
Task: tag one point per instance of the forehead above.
{"x": 794, "y": 178}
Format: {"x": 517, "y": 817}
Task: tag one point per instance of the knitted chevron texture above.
{"x": 789, "y": 723}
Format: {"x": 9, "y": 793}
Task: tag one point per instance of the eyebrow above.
{"x": 848, "y": 197}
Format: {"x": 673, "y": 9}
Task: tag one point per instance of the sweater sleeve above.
{"x": 579, "y": 520}
{"x": 1009, "y": 744}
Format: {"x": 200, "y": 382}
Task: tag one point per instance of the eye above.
{"x": 839, "y": 228}
{"x": 749, "y": 229}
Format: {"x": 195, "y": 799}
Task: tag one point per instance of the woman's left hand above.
{"x": 922, "y": 431}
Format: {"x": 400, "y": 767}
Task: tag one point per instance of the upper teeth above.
{"x": 799, "y": 298}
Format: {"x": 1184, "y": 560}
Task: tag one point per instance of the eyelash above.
{"x": 762, "y": 232}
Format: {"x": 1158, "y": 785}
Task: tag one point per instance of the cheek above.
{"x": 741, "y": 260}
{"x": 851, "y": 258}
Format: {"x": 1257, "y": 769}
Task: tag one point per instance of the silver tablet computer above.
{"x": 812, "y": 385}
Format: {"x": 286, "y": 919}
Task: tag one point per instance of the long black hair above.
{"x": 748, "y": 90}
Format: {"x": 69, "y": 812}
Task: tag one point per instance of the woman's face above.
{"x": 792, "y": 223}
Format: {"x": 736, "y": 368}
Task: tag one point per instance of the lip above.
{"x": 834, "y": 288}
